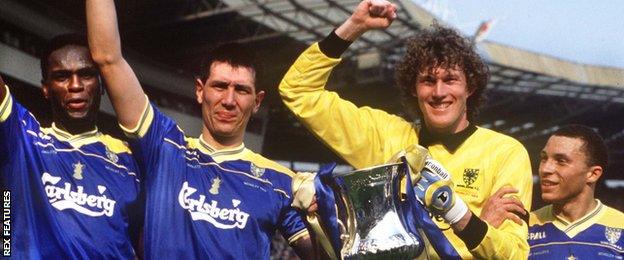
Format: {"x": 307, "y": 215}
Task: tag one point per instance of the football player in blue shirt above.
{"x": 72, "y": 188}
{"x": 207, "y": 197}
{"x": 575, "y": 225}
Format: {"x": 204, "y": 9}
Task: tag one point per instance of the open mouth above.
{"x": 548, "y": 184}
{"x": 440, "y": 105}
{"x": 77, "y": 104}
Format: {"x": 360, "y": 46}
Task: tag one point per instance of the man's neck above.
{"x": 448, "y": 131}
{"x": 576, "y": 208}
{"x": 75, "y": 128}
{"x": 220, "y": 143}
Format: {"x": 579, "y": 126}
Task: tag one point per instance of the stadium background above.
{"x": 530, "y": 95}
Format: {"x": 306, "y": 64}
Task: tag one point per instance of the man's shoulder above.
{"x": 495, "y": 134}
{"x": 497, "y": 138}
{"x": 114, "y": 144}
{"x": 263, "y": 162}
{"x": 612, "y": 217}
{"x": 614, "y": 212}
{"x": 541, "y": 216}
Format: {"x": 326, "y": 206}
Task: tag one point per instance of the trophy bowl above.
{"x": 371, "y": 219}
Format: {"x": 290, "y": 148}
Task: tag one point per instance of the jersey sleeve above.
{"x": 509, "y": 241}
{"x": 15, "y": 120}
{"x": 291, "y": 225}
{"x": 146, "y": 139}
{"x": 357, "y": 134}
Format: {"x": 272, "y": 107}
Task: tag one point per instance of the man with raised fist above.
{"x": 207, "y": 197}
{"x": 488, "y": 187}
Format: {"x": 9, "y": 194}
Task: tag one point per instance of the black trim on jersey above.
{"x": 333, "y": 46}
{"x": 524, "y": 217}
{"x": 450, "y": 141}
{"x": 474, "y": 232}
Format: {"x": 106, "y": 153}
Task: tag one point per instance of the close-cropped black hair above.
{"x": 594, "y": 146}
{"x": 441, "y": 47}
{"x": 234, "y": 54}
{"x": 58, "y": 42}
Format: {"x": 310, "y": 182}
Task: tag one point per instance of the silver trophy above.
{"x": 368, "y": 207}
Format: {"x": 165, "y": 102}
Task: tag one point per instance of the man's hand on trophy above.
{"x": 434, "y": 190}
{"x": 415, "y": 156}
{"x": 305, "y": 200}
{"x": 304, "y": 192}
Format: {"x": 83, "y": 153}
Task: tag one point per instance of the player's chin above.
{"x": 225, "y": 131}
{"x": 78, "y": 115}
{"x": 549, "y": 197}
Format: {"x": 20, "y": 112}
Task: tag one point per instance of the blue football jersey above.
{"x": 70, "y": 194}
{"x": 207, "y": 204}
{"x": 596, "y": 235}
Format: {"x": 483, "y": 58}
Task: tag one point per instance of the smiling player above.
{"x": 575, "y": 225}
{"x": 442, "y": 81}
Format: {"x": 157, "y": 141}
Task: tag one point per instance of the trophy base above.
{"x": 398, "y": 246}
{"x": 407, "y": 252}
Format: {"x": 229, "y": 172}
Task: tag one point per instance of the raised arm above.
{"x": 124, "y": 89}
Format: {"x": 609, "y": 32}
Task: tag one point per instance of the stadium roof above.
{"x": 530, "y": 94}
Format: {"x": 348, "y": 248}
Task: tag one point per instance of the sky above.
{"x": 590, "y": 32}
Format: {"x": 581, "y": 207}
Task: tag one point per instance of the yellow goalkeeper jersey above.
{"x": 480, "y": 160}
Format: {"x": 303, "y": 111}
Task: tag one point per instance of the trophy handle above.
{"x": 343, "y": 232}
{"x": 345, "y": 213}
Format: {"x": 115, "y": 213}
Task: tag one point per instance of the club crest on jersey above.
{"x": 220, "y": 217}
{"x": 214, "y": 189}
{"x": 62, "y": 197}
{"x": 111, "y": 156}
{"x": 256, "y": 171}
{"x": 613, "y": 234}
{"x": 470, "y": 176}
{"x": 78, "y": 168}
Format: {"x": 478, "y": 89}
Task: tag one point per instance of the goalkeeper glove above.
{"x": 434, "y": 190}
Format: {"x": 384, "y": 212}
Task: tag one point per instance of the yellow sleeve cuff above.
{"x": 301, "y": 234}
{"x": 145, "y": 121}
{"x": 6, "y": 106}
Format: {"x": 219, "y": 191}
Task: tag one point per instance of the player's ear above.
{"x": 470, "y": 90}
{"x": 45, "y": 90}
{"x": 259, "y": 98}
{"x": 199, "y": 90}
{"x": 593, "y": 174}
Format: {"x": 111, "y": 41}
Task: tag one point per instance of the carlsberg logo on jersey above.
{"x": 222, "y": 218}
{"x": 62, "y": 197}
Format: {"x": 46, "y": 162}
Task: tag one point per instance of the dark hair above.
{"x": 58, "y": 42}
{"x": 234, "y": 54}
{"x": 441, "y": 47}
{"x": 593, "y": 145}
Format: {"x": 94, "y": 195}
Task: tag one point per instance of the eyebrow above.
{"x": 78, "y": 71}
{"x": 221, "y": 82}
{"x": 243, "y": 86}
{"x": 561, "y": 155}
